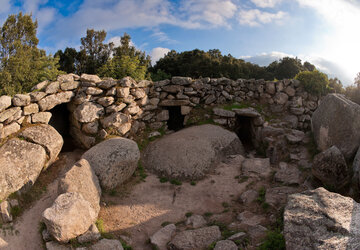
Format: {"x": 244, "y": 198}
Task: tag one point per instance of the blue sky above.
{"x": 324, "y": 32}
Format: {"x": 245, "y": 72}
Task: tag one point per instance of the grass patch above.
{"x": 212, "y": 246}
{"x": 225, "y": 204}
{"x": 208, "y": 214}
{"x": 41, "y": 227}
{"x": 125, "y": 245}
{"x": 15, "y": 211}
{"x": 243, "y": 179}
{"x": 163, "y": 179}
{"x": 274, "y": 241}
{"x": 261, "y": 199}
{"x": 176, "y": 182}
{"x": 140, "y": 171}
{"x": 188, "y": 214}
{"x": 193, "y": 183}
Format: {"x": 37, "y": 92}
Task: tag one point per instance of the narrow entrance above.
{"x": 60, "y": 121}
{"x": 176, "y": 119}
{"x": 244, "y": 130}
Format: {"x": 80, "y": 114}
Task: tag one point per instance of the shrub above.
{"x": 314, "y": 82}
{"x": 274, "y": 241}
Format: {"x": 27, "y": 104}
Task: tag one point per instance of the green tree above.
{"x": 93, "y": 52}
{"x": 357, "y": 79}
{"x": 336, "y": 86}
{"x": 288, "y": 68}
{"x": 22, "y": 63}
{"x": 314, "y": 82}
{"x": 68, "y": 60}
{"x": 126, "y": 61}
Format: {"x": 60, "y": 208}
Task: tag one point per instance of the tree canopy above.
{"x": 22, "y": 63}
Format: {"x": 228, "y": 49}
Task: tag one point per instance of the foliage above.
{"x": 198, "y": 63}
{"x": 274, "y": 241}
{"x": 335, "y": 86}
{"x": 353, "y": 93}
{"x": 22, "y": 64}
{"x": 314, "y": 82}
{"x": 68, "y": 60}
{"x": 96, "y": 52}
{"x": 127, "y": 61}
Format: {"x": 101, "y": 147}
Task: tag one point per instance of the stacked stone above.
{"x": 122, "y": 107}
{"x": 281, "y": 96}
{"x": 103, "y": 106}
{"x": 31, "y": 108}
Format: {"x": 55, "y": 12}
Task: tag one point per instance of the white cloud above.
{"x": 264, "y": 59}
{"x": 116, "y": 40}
{"x": 162, "y": 37}
{"x": 340, "y": 40}
{"x": 158, "y": 53}
{"x": 255, "y": 17}
{"x": 266, "y": 3}
{"x": 209, "y": 12}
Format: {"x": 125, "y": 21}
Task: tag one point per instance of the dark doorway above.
{"x": 60, "y": 121}
{"x": 244, "y": 130}
{"x": 176, "y": 119}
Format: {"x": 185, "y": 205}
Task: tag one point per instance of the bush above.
{"x": 274, "y": 241}
{"x": 314, "y": 82}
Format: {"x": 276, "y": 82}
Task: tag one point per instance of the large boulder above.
{"x": 331, "y": 169}
{"x": 82, "y": 179}
{"x": 319, "y": 219}
{"x": 46, "y": 136}
{"x": 20, "y": 164}
{"x": 113, "y": 160}
{"x": 192, "y": 152}
{"x": 337, "y": 122}
{"x": 195, "y": 239}
{"x": 70, "y": 216}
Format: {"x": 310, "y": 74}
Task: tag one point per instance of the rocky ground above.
{"x": 243, "y": 195}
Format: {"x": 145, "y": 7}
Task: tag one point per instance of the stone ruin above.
{"x": 88, "y": 108}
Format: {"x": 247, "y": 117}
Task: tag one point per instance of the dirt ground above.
{"x": 23, "y": 234}
{"x": 137, "y": 211}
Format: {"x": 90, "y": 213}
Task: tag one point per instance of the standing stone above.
{"x": 46, "y": 136}
{"x": 337, "y": 122}
{"x": 113, "y": 160}
{"x": 82, "y": 179}
{"x": 16, "y": 157}
{"x": 70, "y": 216}
{"x": 88, "y": 112}
{"x": 331, "y": 169}
{"x": 20, "y": 100}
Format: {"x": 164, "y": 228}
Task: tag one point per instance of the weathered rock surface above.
{"x": 319, "y": 219}
{"x": 163, "y": 236}
{"x": 92, "y": 234}
{"x": 191, "y": 152}
{"x": 107, "y": 244}
{"x": 288, "y": 174}
{"x": 113, "y": 160}
{"x": 256, "y": 167}
{"x": 20, "y": 164}
{"x": 81, "y": 179}
{"x": 46, "y": 136}
{"x": 51, "y": 245}
{"x": 196, "y": 221}
{"x": 337, "y": 122}
{"x": 225, "y": 245}
{"x": 195, "y": 239}
{"x": 70, "y": 216}
{"x": 331, "y": 169}
{"x": 41, "y": 117}
{"x": 5, "y": 102}
{"x": 88, "y": 112}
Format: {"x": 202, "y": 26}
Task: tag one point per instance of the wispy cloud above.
{"x": 266, "y": 3}
{"x": 162, "y": 37}
{"x": 255, "y": 17}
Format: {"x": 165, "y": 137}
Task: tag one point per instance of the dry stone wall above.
{"x": 99, "y": 107}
